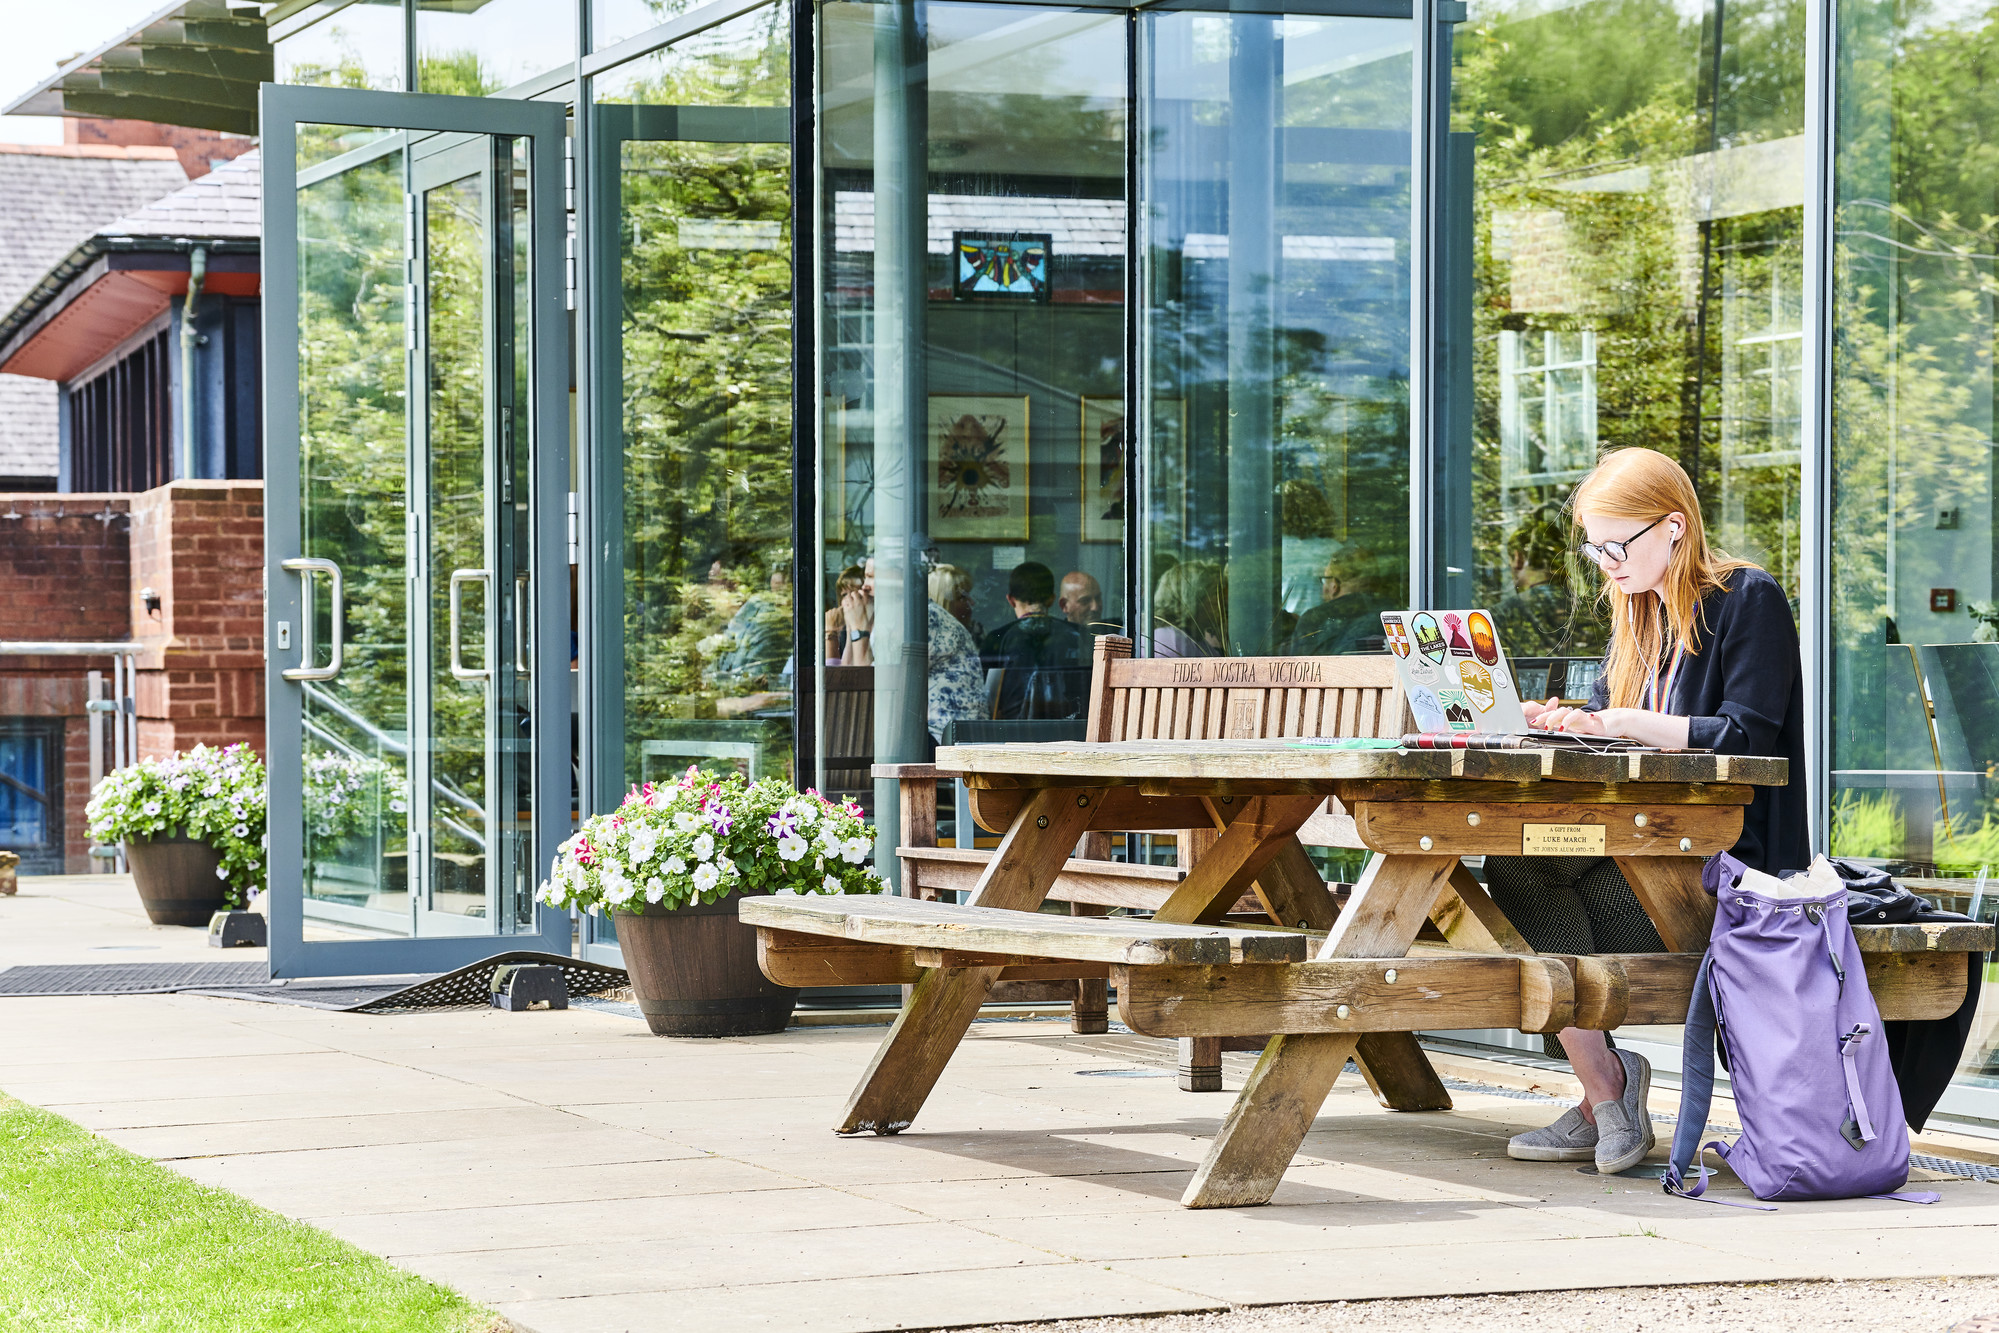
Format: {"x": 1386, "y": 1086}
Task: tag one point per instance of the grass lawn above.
{"x": 94, "y": 1237}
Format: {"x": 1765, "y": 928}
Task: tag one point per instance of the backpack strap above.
{"x": 1684, "y": 1174}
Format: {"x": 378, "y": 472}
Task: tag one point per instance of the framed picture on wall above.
{"x": 978, "y": 454}
{"x": 1002, "y": 266}
{"x": 1103, "y": 458}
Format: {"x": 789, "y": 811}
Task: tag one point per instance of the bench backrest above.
{"x": 1241, "y": 698}
{"x": 848, "y": 701}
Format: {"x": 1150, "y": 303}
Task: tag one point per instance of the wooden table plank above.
{"x": 1126, "y": 763}
{"x": 1476, "y": 828}
{"x": 1354, "y": 995}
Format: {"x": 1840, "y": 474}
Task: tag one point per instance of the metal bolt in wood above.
{"x": 1082, "y": 798}
{"x": 1342, "y": 1011}
{"x": 1041, "y": 821}
{"x": 1389, "y": 976}
{"x": 1424, "y": 842}
{"x": 1686, "y": 844}
{"x": 1641, "y": 819}
{"x": 1471, "y": 817}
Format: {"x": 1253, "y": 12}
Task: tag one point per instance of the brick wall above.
{"x": 72, "y": 568}
{"x": 65, "y": 568}
{"x": 200, "y": 544}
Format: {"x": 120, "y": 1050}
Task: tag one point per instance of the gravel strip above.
{"x": 1909, "y": 1305}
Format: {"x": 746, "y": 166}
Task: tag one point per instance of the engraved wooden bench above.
{"x": 1349, "y": 980}
{"x": 1165, "y": 699}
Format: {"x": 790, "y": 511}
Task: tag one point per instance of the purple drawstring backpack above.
{"x": 1783, "y": 984}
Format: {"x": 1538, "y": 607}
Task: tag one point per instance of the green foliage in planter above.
{"x": 210, "y": 795}
{"x": 704, "y": 837}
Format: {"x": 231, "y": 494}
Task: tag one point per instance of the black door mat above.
{"x": 127, "y": 978}
{"x": 467, "y": 987}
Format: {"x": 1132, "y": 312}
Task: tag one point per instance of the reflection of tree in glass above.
{"x": 706, "y": 326}
{"x": 456, "y": 365}
{"x": 351, "y": 436}
{"x": 1591, "y": 126}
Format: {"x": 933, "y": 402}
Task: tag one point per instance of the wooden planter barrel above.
{"x": 694, "y": 971}
{"x": 176, "y": 879}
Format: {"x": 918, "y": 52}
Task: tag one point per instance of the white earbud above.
{"x": 1673, "y": 531}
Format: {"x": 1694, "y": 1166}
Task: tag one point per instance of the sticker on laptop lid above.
{"x": 1478, "y": 685}
{"x": 1429, "y": 639}
{"x": 1458, "y": 715}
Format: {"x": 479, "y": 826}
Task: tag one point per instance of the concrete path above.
{"x": 581, "y": 1175}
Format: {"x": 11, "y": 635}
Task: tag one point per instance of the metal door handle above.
{"x": 459, "y": 578}
{"x": 305, "y": 567}
{"x": 521, "y": 625}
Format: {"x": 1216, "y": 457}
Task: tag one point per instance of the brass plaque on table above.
{"x": 1561, "y": 840}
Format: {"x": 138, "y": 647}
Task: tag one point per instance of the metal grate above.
{"x": 469, "y": 987}
{"x": 127, "y": 978}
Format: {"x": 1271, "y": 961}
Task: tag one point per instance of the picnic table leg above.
{"x": 1294, "y": 894}
{"x": 1276, "y": 1107}
{"x": 1669, "y": 889}
{"x": 944, "y": 1001}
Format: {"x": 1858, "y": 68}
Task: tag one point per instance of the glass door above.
{"x": 415, "y": 354}
{"x": 692, "y": 218}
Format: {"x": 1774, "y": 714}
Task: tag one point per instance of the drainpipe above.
{"x": 197, "y": 270}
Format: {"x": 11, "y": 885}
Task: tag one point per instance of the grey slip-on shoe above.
{"x": 1624, "y": 1127}
{"x": 1569, "y": 1139}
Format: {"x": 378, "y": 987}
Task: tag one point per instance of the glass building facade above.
{"x": 916, "y": 344}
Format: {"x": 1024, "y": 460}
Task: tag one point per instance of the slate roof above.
{"x": 53, "y": 197}
{"x": 222, "y": 204}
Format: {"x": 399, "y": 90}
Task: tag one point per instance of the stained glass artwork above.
{"x": 1010, "y": 265}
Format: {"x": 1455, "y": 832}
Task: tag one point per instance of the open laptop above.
{"x": 1454, "y": 671}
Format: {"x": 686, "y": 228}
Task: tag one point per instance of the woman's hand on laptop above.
{"x": 1535, "y": 711}
{"x": 1664, "y": 730}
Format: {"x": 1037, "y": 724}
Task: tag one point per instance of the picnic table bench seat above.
{"x": 1225, "y": 981}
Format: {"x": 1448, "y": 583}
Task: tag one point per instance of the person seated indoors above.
{"x": 955, "y": 687}
{"x": 1190, "y": 610}
{"x": 1703, "y": 653}
{"x": 951, "y": 588}
{"x": 1082, "y": 603}
{"x": 1041, "y": 654}
{"x": 1354, "y": 590}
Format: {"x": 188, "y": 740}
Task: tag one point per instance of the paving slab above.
{"x": 583, "y": 1175}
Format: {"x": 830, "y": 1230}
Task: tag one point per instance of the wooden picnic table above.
{"x": 1325, "y": 977}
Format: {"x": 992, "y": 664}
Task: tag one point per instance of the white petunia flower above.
{"x": 687, "y": 821}
{"x": 151, "y": 807}
{"x": 791, "y": 848}
{"x": 856, "y": 851}
{"x": 706, "y": 877}
{"x": 704, "y": 846}
{"x": 655, "y": 889}
{"x": 675, "y": 866}
{"x": 241, "y": 830}
{"x": 830, "y": 884}
{"x": 220, "y": 873}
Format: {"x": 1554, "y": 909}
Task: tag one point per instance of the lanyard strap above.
{"x": 1657, "y": 702}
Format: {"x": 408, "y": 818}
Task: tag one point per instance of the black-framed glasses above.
{"x": 1618, "y": 551}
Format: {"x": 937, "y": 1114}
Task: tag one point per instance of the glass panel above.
{"x": 462, "y": 659}
{"x": 744, "y": 62}
{"x": 31, "y": 781}
{"x": 972, "y": 353}
{"x": 703, "y": 241}
{"x": 354, "y": 494}
{"x": 342, "y": 44}
{"x": 611, "y": 21}
{"x": 1639, "y": 189}
{"x": 1915, "y": 550}
{"x": 1276, "y": 332}
{"x": 477, "y": 47}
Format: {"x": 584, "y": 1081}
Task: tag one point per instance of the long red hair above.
{"x": 1643, "y": 486}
